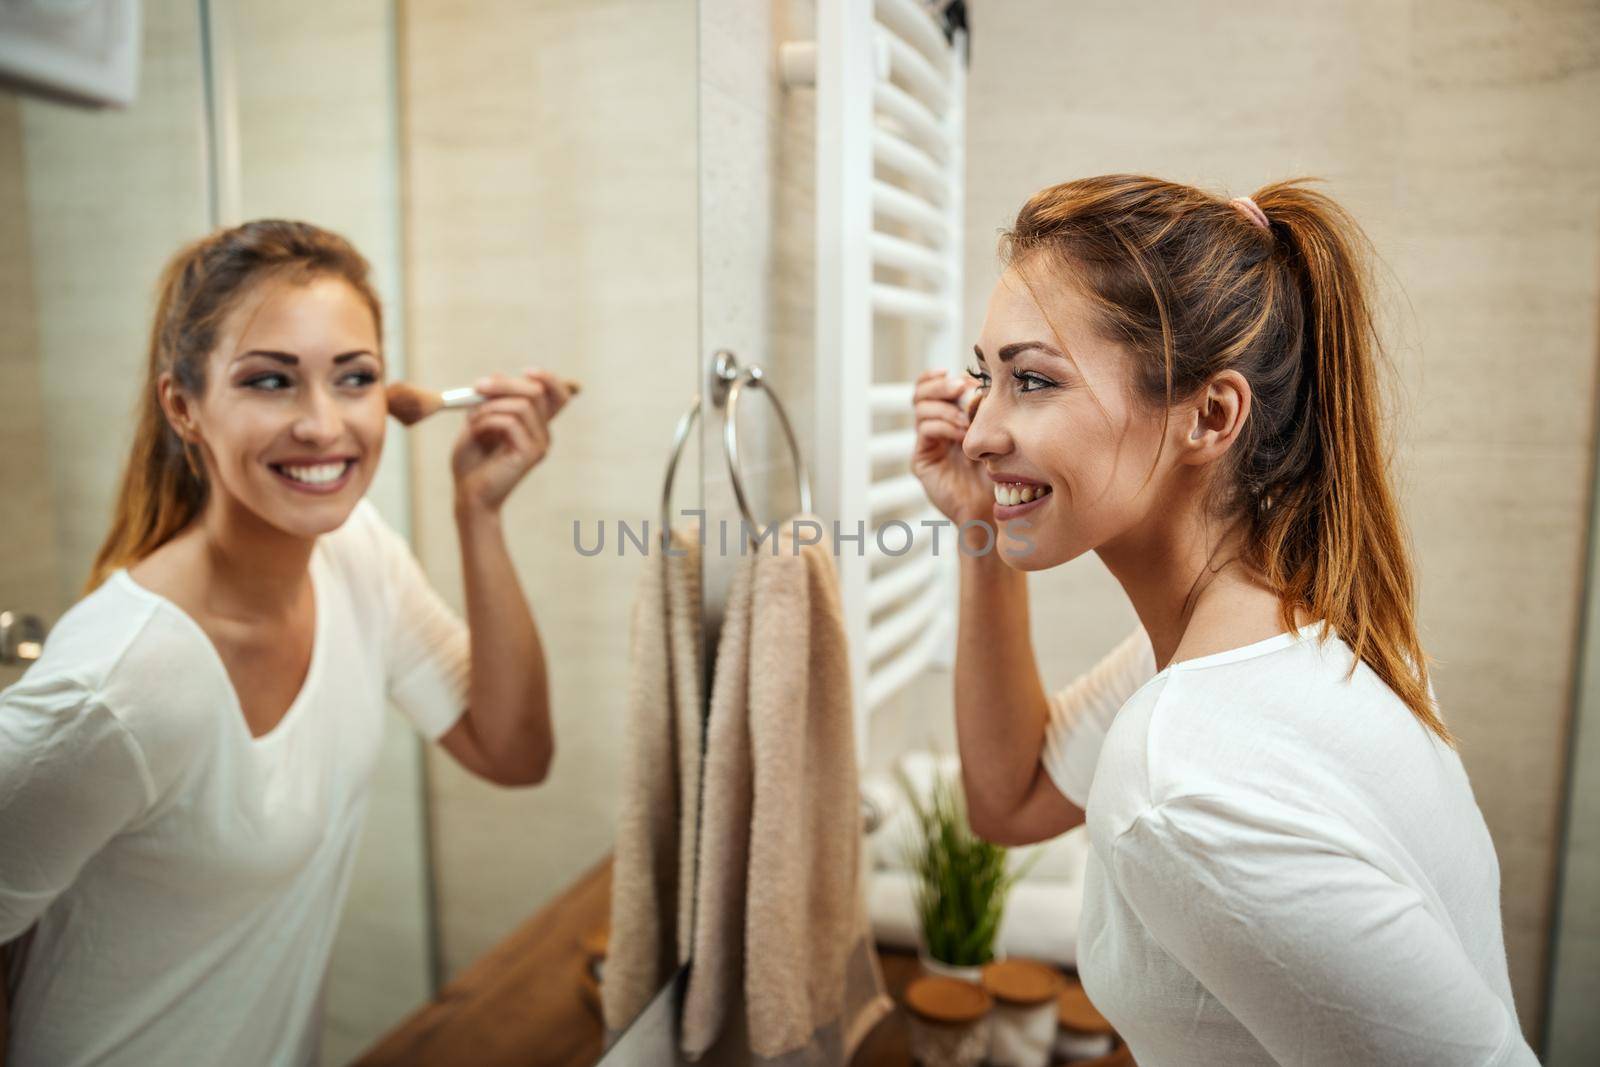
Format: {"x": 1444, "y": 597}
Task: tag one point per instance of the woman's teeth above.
{"x": 319, "y": 474}
{"x": 1013, "y": 493}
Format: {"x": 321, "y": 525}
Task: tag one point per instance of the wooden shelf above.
{"x": 524, "y": 1004}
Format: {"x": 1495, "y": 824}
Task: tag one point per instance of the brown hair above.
{"x": 164, "y": 485}
{"x": 1189, "y": 285}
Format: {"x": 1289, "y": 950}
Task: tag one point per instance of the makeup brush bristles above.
{"x": 412, "y": 403}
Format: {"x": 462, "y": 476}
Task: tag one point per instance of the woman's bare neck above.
{"x": 228, "y": 570}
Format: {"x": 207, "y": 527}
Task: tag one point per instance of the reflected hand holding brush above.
{"x": 505, "y": 434}
{"x": 412, "y": 403}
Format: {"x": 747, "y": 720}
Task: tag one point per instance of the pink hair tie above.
{"x": 1250, "y": 208}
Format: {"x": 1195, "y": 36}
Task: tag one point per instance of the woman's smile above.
{"x": 1018, "y": 497}
{"x": 320, "y": 476}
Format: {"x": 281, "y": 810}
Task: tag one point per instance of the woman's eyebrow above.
{"x": 289, "y": 359}
{"x": 1008, "y": 351}
{"x": 1023, "y": 346}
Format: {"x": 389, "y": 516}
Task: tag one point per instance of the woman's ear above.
{"x": 1217, "y": 415}
{"x": 176, "y": 405}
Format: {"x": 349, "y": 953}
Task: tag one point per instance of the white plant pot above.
{"x": 930, "y": 965}
{"x": 1022, "y": 1036}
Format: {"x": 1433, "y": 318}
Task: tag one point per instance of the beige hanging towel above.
{"x": 788, "y": 792}
{"x": 713, "y": 990}
{"x": 813, "y": 985}
{"x": 652, "y": 869}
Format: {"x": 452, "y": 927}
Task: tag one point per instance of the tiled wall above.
{"x": 1465, "y": 140}
{"x": 756, "y": 193}
{"x": 27, "y": 536}
{"x": 94, "y": 266}
{"x": 550, "y": 167}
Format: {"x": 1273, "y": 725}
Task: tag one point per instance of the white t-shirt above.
{"x": 1286, "y": 866}
{"x": 186, "y": 878}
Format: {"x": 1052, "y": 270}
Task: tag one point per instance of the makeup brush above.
{"x": 412, "y": 403}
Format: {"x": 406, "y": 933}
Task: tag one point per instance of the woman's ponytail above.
{"x": 1332, "y": 536}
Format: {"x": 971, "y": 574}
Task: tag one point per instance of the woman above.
{"x": 185, "y": 771}
{"x": 1287, "y": 861}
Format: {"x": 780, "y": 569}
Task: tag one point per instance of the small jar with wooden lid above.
{"x": 949, "y": 1022}
{"x": 1082, "y": 1032}
{"x": 1026, "y": 1004}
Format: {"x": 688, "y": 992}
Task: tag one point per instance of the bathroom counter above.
{"x": 888, "y": 1043}
{"x": 522, "y": 1003}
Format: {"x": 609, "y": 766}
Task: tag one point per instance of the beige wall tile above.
{"x": 95, "y": 262}
{"x": 28, "y": 583}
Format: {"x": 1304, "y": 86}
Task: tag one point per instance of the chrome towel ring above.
{"x": 679, "y": 438}
{"x": 734, "y": 380}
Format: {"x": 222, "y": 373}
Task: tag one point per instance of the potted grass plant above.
{"x": 962, "y": 882}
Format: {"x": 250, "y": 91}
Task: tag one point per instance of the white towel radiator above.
{"x": 890, "y": 99}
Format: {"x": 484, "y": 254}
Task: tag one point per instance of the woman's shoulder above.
{"x": 1290, "y": 692}
{"x": 1299, "y": 720}
{"x": 126, "y": 650}
{"x": 93, "y": 637}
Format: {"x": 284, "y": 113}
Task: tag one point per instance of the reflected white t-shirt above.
{"x": 1286, "y": 866}
{"x": 185, "y": 877}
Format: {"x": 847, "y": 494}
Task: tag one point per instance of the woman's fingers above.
{"x": 556, "y": 394}
{"x": 522, "y": 407}
{"x": 540, "y": 386}
{"x": 521, "y": 410}
{"x": 512, "y": 430}
{"x": 934, "y": 441}
{"x": 937, "y": 384}
{"x": 939, "y": 372}
{"x": 941, "y": 411}
{"x": 935, "y": 428}
{"x": 497, "y": 386}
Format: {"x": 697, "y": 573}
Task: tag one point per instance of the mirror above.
{"x": 522, "y": 181}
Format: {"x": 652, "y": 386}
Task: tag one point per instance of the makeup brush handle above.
{"x": 461, "y": 398}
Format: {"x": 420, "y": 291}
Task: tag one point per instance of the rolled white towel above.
{"x": 1040, "y": 921}
{"x": 882, "y": 799}
{"x": 884, "y": 791}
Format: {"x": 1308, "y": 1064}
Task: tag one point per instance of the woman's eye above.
{"x": 360, "y": 378}
{"x": 978, "y": 376}
{"x": 1027, "y": 378}
{"x": 267, "y": 383}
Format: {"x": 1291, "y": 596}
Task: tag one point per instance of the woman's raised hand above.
{"x": 505, "y": 436}
{"x": 955, "y": 484}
